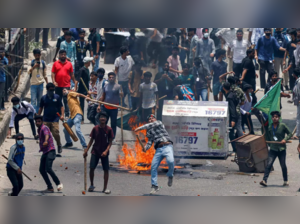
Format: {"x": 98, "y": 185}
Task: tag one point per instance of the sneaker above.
{"x": 286, "y": 184}
{"x": 58, "y": 155}
{"x": 154, "y": 189}
{"x": 67, "y": 145}
{"x": 36, "y": 137}
{"x": 60, "y": 187}
{"x": 9, "y": 193}
{"x": 263, "y": 183}
{"x": 59, "y": 149}
{"x": 106, "y": 191}
{"x": 48, "y": 191}
{"x": 91, "y": 188}
{"x": 170, "y": 181}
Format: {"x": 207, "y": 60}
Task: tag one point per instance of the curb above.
{"x": 23, "y": 88}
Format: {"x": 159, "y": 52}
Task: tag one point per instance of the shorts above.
{"x": 217, "y": 87}
{"x": 95, "y": 160}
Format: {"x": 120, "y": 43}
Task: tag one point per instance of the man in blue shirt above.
{"x": 3, "y": 64}
{"x": 51, "y": 104}
{"x": 264, "y": 50}
{"x": 75, "y": 33}
{"x": 279, "y": 55}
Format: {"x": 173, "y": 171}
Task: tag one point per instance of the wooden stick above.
{"x": 273, "y": 142}
{"x": 87, "y": 90}
{"x": 22, "y": 171}
{"x": 140, "y": 143}
{"x": 109, "y": 104}
{"x": 162, "y": 97}
{"x": 121, "y": 99}
{"x": 85, "y": 175}
{"x": 256, "y": 90}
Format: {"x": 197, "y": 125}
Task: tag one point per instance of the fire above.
{"x": 135, "y": 156}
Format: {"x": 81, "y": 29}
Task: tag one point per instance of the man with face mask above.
{"x": 133, "y": 44}
{"x": 20, "y": 110}
{"x": 264, "y": 51}
{"x": 51, "y": 104}
{"x": 206, "y": 49}
{"x": 14, "y": 165}
{"x": 164, "y": 81}
{"x": 279, "y": 55}
{"x": 94, "y": 39}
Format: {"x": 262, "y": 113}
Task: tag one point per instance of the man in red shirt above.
{"x": 103, "y": 136}
{"x": 62, "y": 73}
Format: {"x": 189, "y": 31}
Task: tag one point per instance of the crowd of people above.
{"x": 191, "y": 64}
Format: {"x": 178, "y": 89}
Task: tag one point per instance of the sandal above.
{"x": 106, "y": 191}
{"x": 91, "y": 188}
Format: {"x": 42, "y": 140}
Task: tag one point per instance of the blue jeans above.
{"x": 125, "y": 92}
{"x": 77, "y": 122}
{"x": 36, "y": 95}
{"x": 161, "y": 153}
{"x": 203, "y": 93}
{"x": 97, "y": 62}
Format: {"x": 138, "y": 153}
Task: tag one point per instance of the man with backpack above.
{"x": 95, "y": 40}
{"x": 21, "y": 109}
{"x": 38, "y": 73}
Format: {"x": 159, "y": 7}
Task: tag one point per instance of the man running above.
{"x": 157, "y": 133}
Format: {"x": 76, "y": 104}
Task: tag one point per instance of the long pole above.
{"x": 85, "y": 175}
{"x": 22, "y": 171}
{"x": 121, "y": 98}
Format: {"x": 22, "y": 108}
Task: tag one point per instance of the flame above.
{"x": 134, "y": 156}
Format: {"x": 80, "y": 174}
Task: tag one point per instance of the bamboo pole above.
{"x": 141, "y": 143}
{"x": 273, "y": 142}
{"x": 85, "y": 175}
{"x": 109, "y": 104}
{"x": 121, "y": 98}
{"x": 22, "y": 171}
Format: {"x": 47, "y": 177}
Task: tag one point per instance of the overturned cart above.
{"x": 198, "y": 128}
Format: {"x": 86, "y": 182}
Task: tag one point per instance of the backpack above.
{"x": 43, "y": 63}
{"x": 187, "y": 93}
{"x": 23, "y": 105}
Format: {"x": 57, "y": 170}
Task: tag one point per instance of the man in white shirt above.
{"x": 20, "y": 111}
{"x": 123, "y": 66}
{"x": 239, "y": 48}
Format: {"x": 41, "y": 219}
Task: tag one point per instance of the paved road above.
{"x": 219, "y": 179}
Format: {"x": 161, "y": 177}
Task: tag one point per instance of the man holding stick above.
{"x": 75, "y": 117}
{"x": 157, "y": 134}
{"x": 103, "y": 136}
{"x": 15, "y": 163}
{"x": 48, "y": 149}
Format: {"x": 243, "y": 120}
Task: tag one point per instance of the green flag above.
{"x": 271, "y": 101}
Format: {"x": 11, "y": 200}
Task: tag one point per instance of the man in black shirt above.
{"x": 59, "y": 40}
{"x": 82, "y": 46}
{"x": 249, "y": 74}
{"x": 165, "y": 51}
{"x": 164, "y": 81}
{"x": 233, "y": 101}
{"x": 133, "y": 44}
{"x": 84, "y": 74}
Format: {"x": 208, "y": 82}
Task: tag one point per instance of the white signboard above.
{"x": 197, "y": 129}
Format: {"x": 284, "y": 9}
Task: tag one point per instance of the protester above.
{"x": 15, "y": 163}
{"x": 296, "y": 101}
{"x": 239, "y": 47}
{"x": 75, "y": 118}
{"x": 95, "y": 39}
{"x": 111, "y": 94}
{"x": 62, "y": 73}
{"x": 70, "y": 47}
{"x": 123, "y": 66}
{"x": 164, "y": 81}
{"x": 248, "y": 75}
{"x": 206, "y": 49}
{"x": 82, "y": 46}
{"x": 157, "y": 134}
{"x": 76, "y": 33}
{"x": 20, "y": 110}
{"x": 279, "y": 56}
{"x": 217, "y": 40}
{"x": 3, "y": 63}
{"x": 219, "y": 72}
{"x": 202, "y": 79}
{"x": 264, "y": 50}
{"x": 92, "y": 94}
{"x": 59, "y": 40}
{"x": 182, "y": 92}
{"x": 149, "y": 96}
{"x": 38, "y": 73}
{"x": 165, "y": 51}
{"x": 174, "y": 62}
{"x": 254, "y": 35}
{"x": 133, "y": 45}
{"x": 102, "y": 135}
{"x": 135, "y": 78}
{"x": 48, "y": 157}
{"x": 184, "y": 47}
{"x": 194, "y": 41}
{"x": 246, "y": 107}
{"x": 278, "y": 133}
{"x": 83, "y": 78}
{"x": 295, "y": 58}
{"x": 51, "y": 104}
{"x": 233, "y": 101}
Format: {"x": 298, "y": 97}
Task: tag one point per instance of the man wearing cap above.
{"x": 84, "y": 74}
{"x": 102, "y": 135}
{"x": 264, "y": 51}
{"x": 14, "y": 165}
{"x": 157, "y": 134}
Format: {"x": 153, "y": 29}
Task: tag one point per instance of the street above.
{"x": 199, "y": 178}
